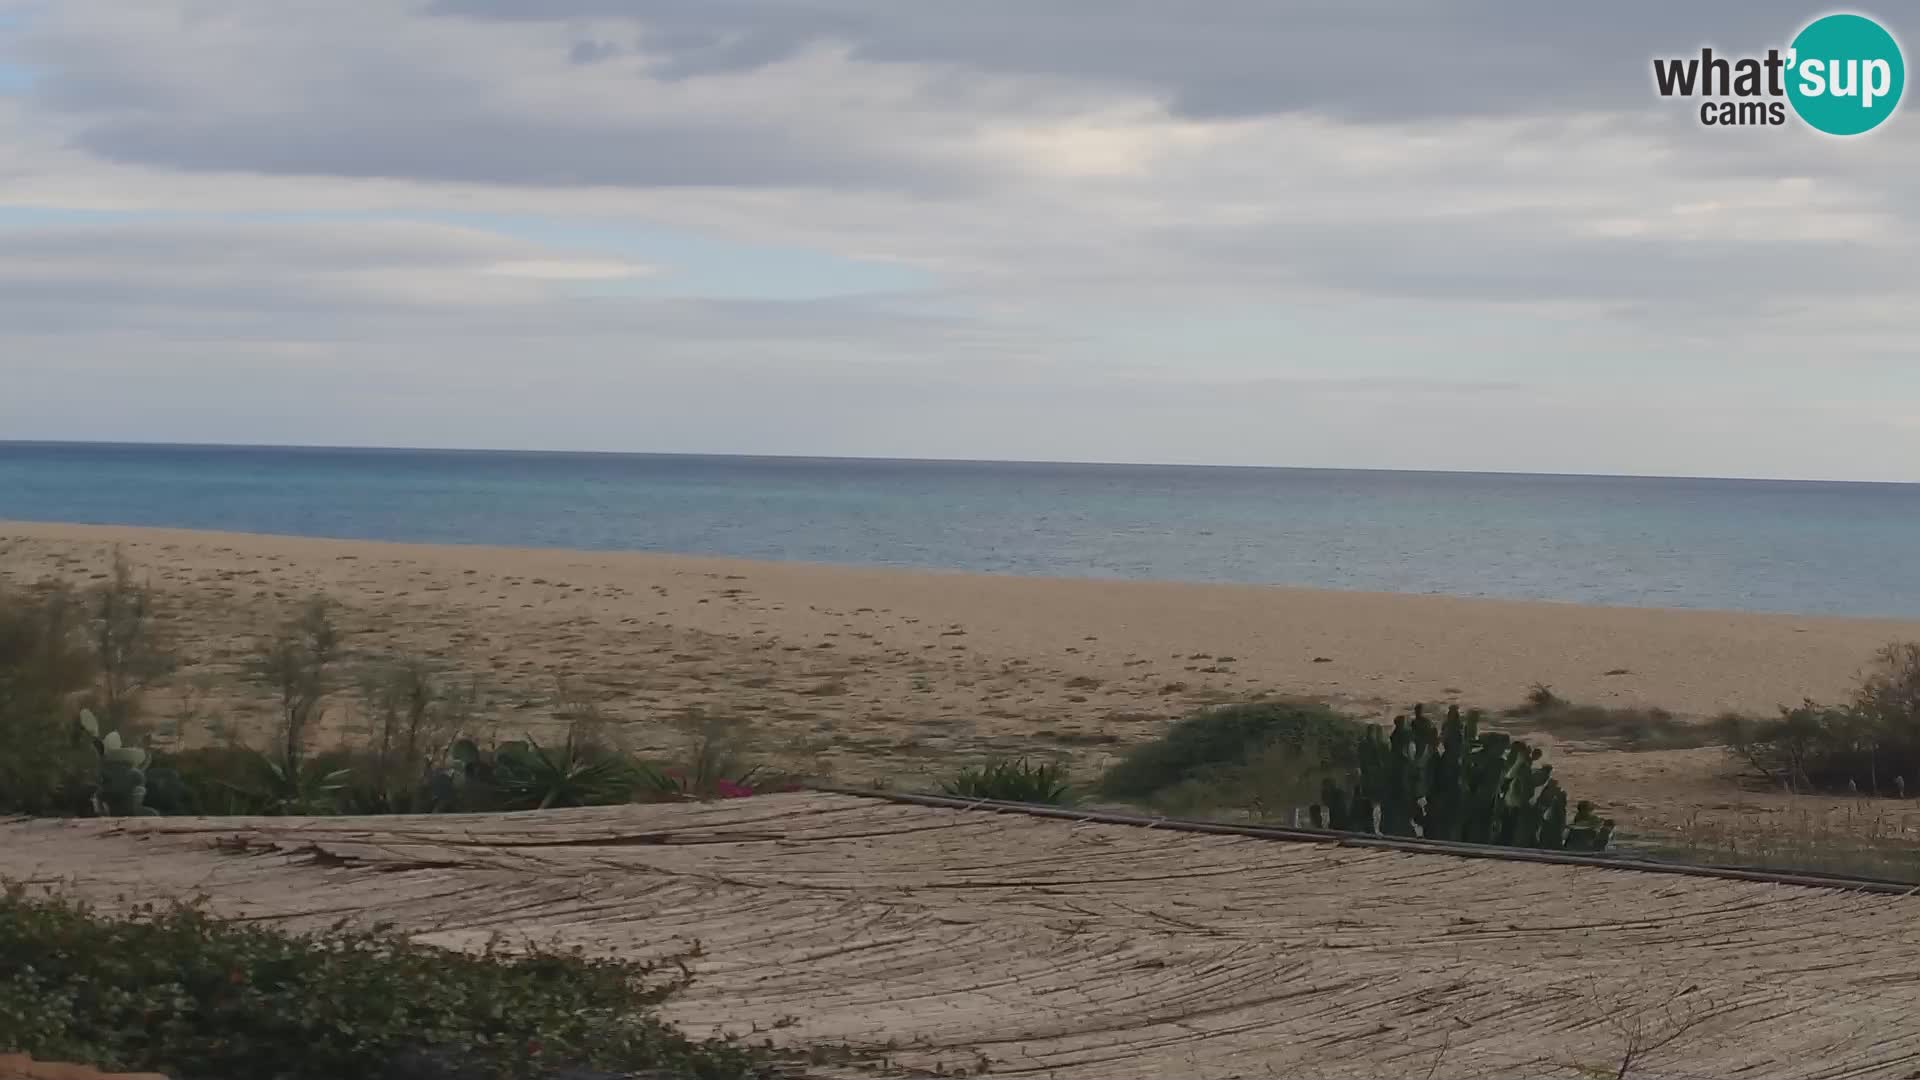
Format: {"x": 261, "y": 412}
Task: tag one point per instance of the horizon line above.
{"x": 561, "y": 452}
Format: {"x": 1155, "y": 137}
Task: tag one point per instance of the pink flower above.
{"x": 727, "y": 789}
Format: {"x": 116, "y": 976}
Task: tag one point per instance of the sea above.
{"x": 1742, "y": 545}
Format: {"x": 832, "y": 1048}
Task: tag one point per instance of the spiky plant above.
{"x": 1013, "y": 780}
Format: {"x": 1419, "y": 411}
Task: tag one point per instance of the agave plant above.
{"x": 1013, "y": 780}
{"x": 272, "y": 786}
{"x": 578, "y": 773}
{"x": 300, "y": 788}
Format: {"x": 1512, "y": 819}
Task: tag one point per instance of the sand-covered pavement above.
{"x": 944, "y": 942}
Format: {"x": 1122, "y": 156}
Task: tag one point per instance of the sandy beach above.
{"x": 868, "y": 673}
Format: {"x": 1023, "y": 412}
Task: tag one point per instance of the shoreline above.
{"x": 11, "y": 527}
{"x": 884, "y": 458}
{"x": 1351, "y": 646}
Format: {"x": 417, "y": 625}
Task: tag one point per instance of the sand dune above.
{"x": 867, "y": 672}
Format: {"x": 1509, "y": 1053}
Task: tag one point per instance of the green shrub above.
{"x": 1452, "y": 781}
{"x": 61, "y": 650}
{"x": 68, "y": 656}
{"x": 414, "y": 715}
{"x": 1891, "y": 689}
{"x": 1271, "y": 754}
{"x": 128, "y": 648}
{"x": 578, "y": 772}
{"x": 299, "y": 665}
{"x": 178, "y": 991}
{"x": 45, "y": 767}
{"x": 301, "y": 789}
{"x": 1277, "y": 782}
{"x": 211, "y": 780}
{"x": 715, "y": 765}
{"x": 520, "y": 774}
{"x": 1628, "y": 728}
{"x": 219, "y": 781}
{"x": 1830, "y": 748}
{"x": 1871, "y": 745}
{"x": 1013, "y": 780}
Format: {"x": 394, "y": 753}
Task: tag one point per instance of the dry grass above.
{"x": 1865, "y": 837}
{"x": 1617, "y": 727}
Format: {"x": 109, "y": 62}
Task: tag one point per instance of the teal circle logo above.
{"x": 1845, "y": 74}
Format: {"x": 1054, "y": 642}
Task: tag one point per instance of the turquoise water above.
{"x": 1756, "y": 545}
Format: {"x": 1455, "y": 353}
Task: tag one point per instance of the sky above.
{"x": 1340, "y": 233}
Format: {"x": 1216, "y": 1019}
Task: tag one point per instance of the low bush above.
{"x": 299, "y": 665}
{"x": 45, "y": 664}
{"x": 130, "y": 652}
{"x": 1013, "y": 780}
{"x": 212, "y": 781}
{"x": 74, "y": 664}
{"x": 578, "y": 768}
{"x": 413, "y": 715}
{"x": 1890, "y": 692}
{"x": 178, "y": 991}
{"x": 716, "y": 764}
{"x": 577, "y": 771}
{"x": 1270, "y": 757}
{"x": 1870, "y": 745}
{"x": 1627, "y": 728}
{"x": 1823, "y": 748}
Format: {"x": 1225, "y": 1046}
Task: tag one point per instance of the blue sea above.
{"x": 1751, "y": 545}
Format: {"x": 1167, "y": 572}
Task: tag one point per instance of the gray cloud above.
{"x": 1529, "y": 257}
{"x": 387, "y": 282}
{"x": 592, "y": 52}
{"x": 549, "y": 152}
{"x": 1319, "y": 233}
{"x": 381, "y": 94}
{"x": 1366, "y": 59}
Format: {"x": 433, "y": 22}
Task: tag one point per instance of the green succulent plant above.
{"x": 577, "y": 773}
{"x": 1013, "y": 780}
{"x": 119, "y": 786}
{"x": 1452, "y": 781}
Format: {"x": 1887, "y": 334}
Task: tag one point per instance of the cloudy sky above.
{"x": 1366, "y": 233}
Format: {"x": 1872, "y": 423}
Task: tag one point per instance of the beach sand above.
{"x": 874, "y": 673}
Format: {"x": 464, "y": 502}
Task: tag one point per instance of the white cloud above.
{"x": 570, "y": 269}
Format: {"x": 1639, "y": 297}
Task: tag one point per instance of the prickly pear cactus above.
{"x": 120, "y": 779}
{"x": 1451, "y": 781}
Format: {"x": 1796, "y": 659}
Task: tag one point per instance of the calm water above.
{"x": 1739, "y": 544}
